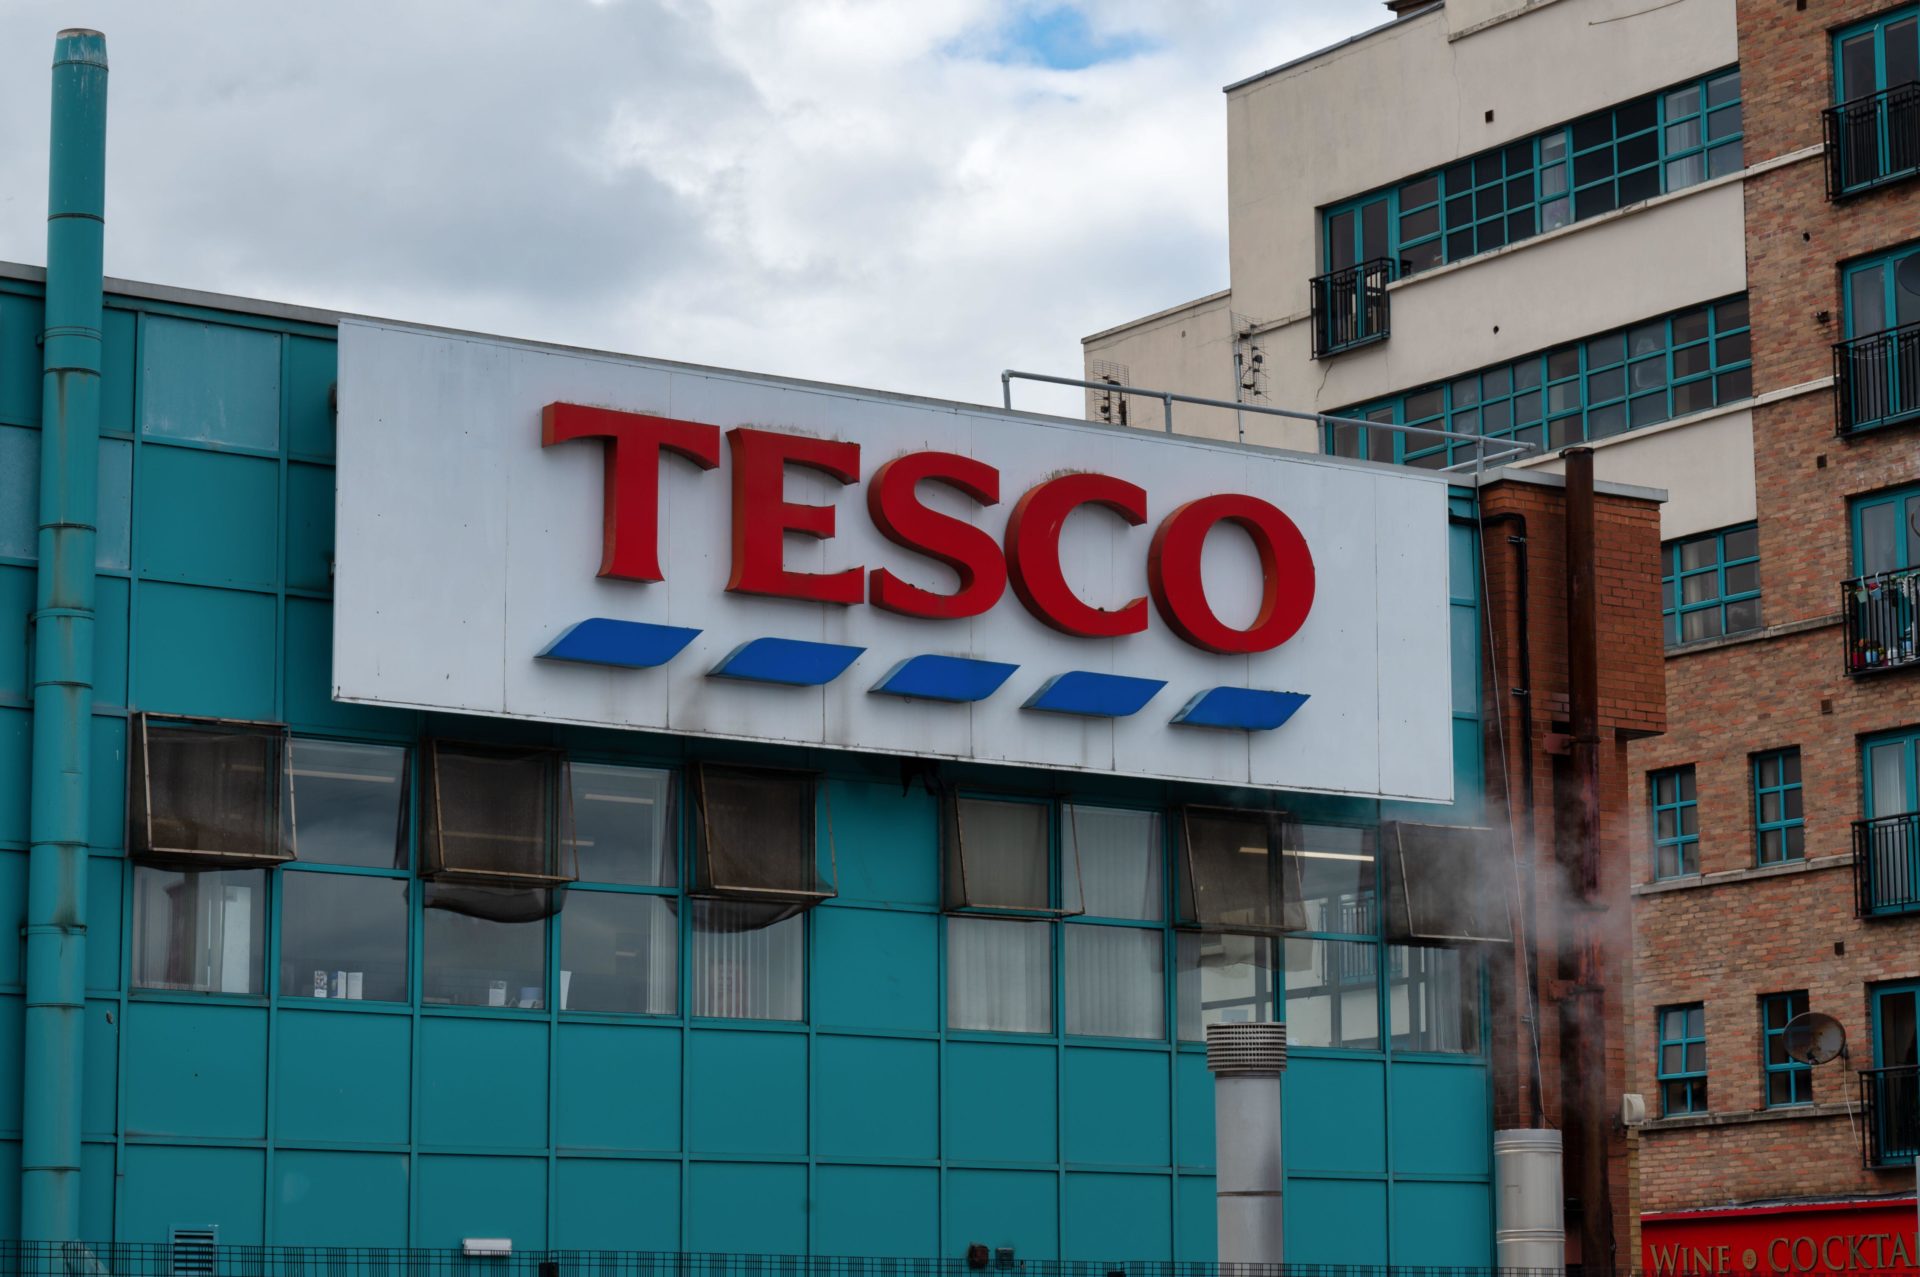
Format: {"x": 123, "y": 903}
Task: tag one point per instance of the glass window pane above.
{"x": 1637, "y": 153}
{"x": 747, "y": 961}
{"x": 1730, "y": 314}
{"x": 1696, "y": 1057}
{"x": 1665, "y": 825}
{"x": 1336, "y": 864}
{"x": 1689, "y": 361}
{"x": 1729, "y": 386}
{"x": 1004, "y": 853}
{"x": 1796, "y": 841}
{"x": 1648, "y": 409}
{"x": 1611, "y": 420}
{"x": 1434, "y": 1001}
{"x": 477, "y": 962}
{"x": 1422, "y": 404}
{"x": 620, "y": 823}
{"x": 1790, "y": 767}
{"x": 1769, "y": 846}
{"x": 1646, "y": 374}
{"x": 1768, "y": 770}
{"x": 619, "y": 951}
{"x": 343, "y": 936}
{"x": 1594, "y": 201}
{"x": 1119, "y": 858}
{"x": 1724, "y": 159}
{"x": 1692, "y": 396}
{"x": 1770, "y": 807}
{"x": 203, "y": 932}
{"x": 1743, "y": 578}
{"x": 1332, "y": 994}
{"x": 1553, "y": 146}
{"x": 999, "y": 975}
{"x": 1553, "y": 214}
{"x": 350, "y": 803}
{"x": 1723, "y": 89}
{"x": 1671, "y": 1058}
{"x": 1703, "y": 624}
{"x": 1610, "y": 384}
{"x": 1592, "y": 131}
{"x": 1223, "y": 979}
{"x": 1116, "y": 982}
{"x": 1734, "y": 349}
{"x": 1902, "y": 52}
{"x": 1553, "y": 181}
{"x": 1685, "y": 778}
{"x": 1723, "y": 123}
{"x": 1642, "y": 113}
{"x": 1421, "y": 191}
{"x": 1683, "y": 136}
{"x": 1689, "y": 821}
{"x": 1697, "y": 554}
{"x": 1420, "y": 224}
{"x": 1420, "y": 257}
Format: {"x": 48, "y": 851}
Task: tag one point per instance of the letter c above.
{"x": 1033, "y": 553}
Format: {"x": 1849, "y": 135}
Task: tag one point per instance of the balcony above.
{"x": 1886, "y": 866}
{"x": 1882, "y": 614}
{"x": 1876, "y": 380}
{"x": 1350, "y": 307}
{"x": 1890, "y": 1103}
{"x": 1872, "y": 141}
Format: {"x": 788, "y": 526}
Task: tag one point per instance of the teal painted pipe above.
{"x": 56, "y": 930}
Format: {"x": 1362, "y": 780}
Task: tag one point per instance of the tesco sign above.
{"x": 550, "y": 534}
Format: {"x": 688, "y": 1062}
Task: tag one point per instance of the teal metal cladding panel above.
{"x": 1117, "y": 1110}
{"x": 103, "y": 924}
{"x": 876, "y": 1097}
{"x": 1003, "y": 1208}
{"x": 100, "y": 1090}
{"x": 875, "y": 969}
{"x": 201, "y": 1070}
{"x": 746, "y": 1092}
{"x": 885, "y": 844}
{"x": 1443, "y": 1223}
{"x": 466, "y": 1196}
{"x": 16, "y": 607}
{"x": 483, "y": 1082}
{"x": 16, "y": 735}
{"x": 314, "y": 1191}
{"x": 749, "y": 1207}
{"x": 309, "y": 527}
{"x": 1197, "y": 1219}
{"x": 210, "y": 383}
{"x": 1441, "y": 1113}
{"x": 165, "y": 1186}
{"x": 312, "y": 365}
{"x": 1113, "y": 1216}
{"x": 876, "y": 1210}
{"x": 110, "y": 645}
{"x": 21, "y": 319}
{"x": 619, "y": 1087}
{"x": 206, "y": 651}
{"x": 1333, "y": 1115}
{"x": 19, "y": 491}
{"x": 13, "y": 916}
{"x": 1000, "y": 1102}
{"x": 107, "y": 798}
{"x": 1335, "y": 1221}
{"x": 342, "y": 1076}
{"x": 12, "y": 1042}
{"x": 601, "y": 1203}
{"x": 208, "y": 517}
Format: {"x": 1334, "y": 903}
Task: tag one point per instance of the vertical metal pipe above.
{"x": 56, "y": 925}
{"x": 1530, "y": 1232}
{"x": 1583, "y": 663}
{"x": 1246, "y": 1060}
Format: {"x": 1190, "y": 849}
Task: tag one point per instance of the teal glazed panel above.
{"x": 1333, "y": 1115}
{"x": 208, "y": 517}
{"x": 103, "y": 924}
{"x": 341, "y": 1076}
{"x": 96, "y": 1190}
{"x": 201, "y": 651}
{"x": 309, "y": 527}
{"x": 881, "y": 1211}
{"x": 619, "y": 1087}
{"x": 19, "y": 492}
{"x": 1334, "y": 1221}
{"x": 17, "y": 586}
{"x": 885, "y": 844}
{"x": 483, "y": 1081}
{"x": 13, "y": 1012}
{"x": 100, "y": 1091}
{"x": 113, "y": 522}
{"x": 1197, "y": 1216}
{"x": 202, "y": 1070}
{"x": 1193, "y": 1102}
{"x": 1446, "y": 1224}
{"x": 309, "y": 678}
{"x": 1118, "y": 1217}
{"x": 312, "y": 366}
{"x": 110, "y": 640}
{"x": 876, "y": 1097}
{"x": 1004, "y": 1208}
{"x": 481, "y": 1197}
{"x": 21, "y": 322}
{"x": 13, "y": 917}
{"x": 1117, "y": 1108}
{"x": 875, "y": 969}
{"x": 16, "y": 773}
{"x": 602, "y": 1203}
{"x": 746, "y": 1092}
{"x": 9, "y": 1189}
{"x": 165, "y": 1186}
{"x": 210, "y": 383}
{"x": 107, "y": 787}
{"x": 116, "y": 370}
{"x": 1441, "y": 1122}
{"x": 747, "y": 1208}
{"x": 320, "y": 1198}
{"x": 1000, "y": 1102}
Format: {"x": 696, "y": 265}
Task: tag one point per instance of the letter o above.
{"x": 1286, "y": 571}
{"x": 1804, "y": 1265}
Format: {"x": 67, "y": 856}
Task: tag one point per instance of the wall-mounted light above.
{"x": 486, "y": 1247}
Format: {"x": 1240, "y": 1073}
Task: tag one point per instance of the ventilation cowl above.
{"x": 1247, "y": 1050}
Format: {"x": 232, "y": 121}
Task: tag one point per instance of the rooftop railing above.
{"x": 1890, "y": 1105}
{"x": 1872, "y": 141}
{"x": 1876, "y": 380}
{"x": 1351, "y": 307}
{"x": 1886, "y": 865}
{"x": 1882, "y": 616}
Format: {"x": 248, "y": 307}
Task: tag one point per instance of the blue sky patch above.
{"x": 1058, "y": 36}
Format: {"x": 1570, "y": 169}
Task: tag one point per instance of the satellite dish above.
{"x": 1814, "y": 1037}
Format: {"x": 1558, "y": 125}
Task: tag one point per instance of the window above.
{"x": 1881, "y": 604}
{"x": 1710, "y": 584}
{"x": 1333, "y": 993}
{"x": 477, "y": 961}
{"x": 1886, "y": 532}
{"x": 1683, "y": 1060}
{"x": 1663, "y": 142}
{"x": 1115, "y": 955}
{"x": 493, "y": 816}
{"x": 1877, "y": 368}
{"x": 1223, "y": 979}
{"x": 1666, "y": 367}
{"x": 619, "y": 931}
{"x": 199, "y": 931}
{"x": 1787, "y": 1081}
{"x": 999, "y": 857}
{"x": 1882, "y": 53}
{"x": 748, "y": 960}
{"x": 1432, "y": 1001}
{"x": 1778, "y": 823}
{"x": 1871, "y": 135}
{"x": 757, "y": 836}
{"x": 1676, "y": 829}
{"x": 343, "y": 931}
{"x": 1887, "y": 842}
{"x": 1234, "y": 873}
{"x": 207, "y": 793}
{"x": 1893, "y": 1086}
{"x": 999, "y": 974}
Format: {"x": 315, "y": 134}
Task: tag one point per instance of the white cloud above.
{"x": 849, "y": 190}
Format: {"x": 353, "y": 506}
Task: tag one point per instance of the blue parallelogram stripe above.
{"x": 791, "y": 662}
{"x": 933, "y": 677}
{"x": 1246, "y": 709}
{"x": 633, "y": 645}
{"x": 1097, "y": 695}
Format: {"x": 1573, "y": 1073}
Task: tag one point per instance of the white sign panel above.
{"x": 579, "y": 538}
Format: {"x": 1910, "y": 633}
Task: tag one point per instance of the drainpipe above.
{"x": 1246, "y": 1060}
{"x": 56, "y": 927}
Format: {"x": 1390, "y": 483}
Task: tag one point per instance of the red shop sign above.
{"x": 1822, "y": 1237}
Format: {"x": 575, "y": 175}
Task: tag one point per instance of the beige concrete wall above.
{"x": 1188, "y": 348}
{"x": 1705, "y": 464}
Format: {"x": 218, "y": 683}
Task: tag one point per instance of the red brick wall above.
{"x": 1727, "y": 944}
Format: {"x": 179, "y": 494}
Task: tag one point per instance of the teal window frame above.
{"x": 1878, "y": 26}
{"x": 1673, "y": 793}
{"x": 1904, "y": 753}
{"x": 1779, "y": 816}
{"x": 1880, "y": 303}
{"x": 1722, "y": 571}
{"x": 1906, "y": 547}
{"x": 1784, "y": 1082}
{"x": 1663, "y": 368}
{"x": 1680, "y": 1058}
{"x": 1651, "y": 145}
{"x": 1864, "y": 314}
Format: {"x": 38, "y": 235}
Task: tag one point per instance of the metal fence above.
{"x": 1872, "y": 140}
{"x": 1876, "y": 379}
{"x": 1890, "y": 1104}
{"x": 1886, "y": 865}
{"x": 1350, "y": 307}
{"x": 1882, "y": 615}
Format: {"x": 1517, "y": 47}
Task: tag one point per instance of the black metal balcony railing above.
{"x": 1890, "y": 1103}
{"x": 1886, "y": 865}
{"x": 1876, "y": 380}
{"x": 1872, "y": 140}
{"x": 1350, "y": 307}
{"x": 1882, "y": 614}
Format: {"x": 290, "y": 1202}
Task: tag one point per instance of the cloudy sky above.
{"x": 907, "y": 194}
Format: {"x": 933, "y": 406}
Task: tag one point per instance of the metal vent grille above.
{"x": 207, "y": 793}
{"x": 1247, "y": 1050}
{"x": 193, "y": 1251}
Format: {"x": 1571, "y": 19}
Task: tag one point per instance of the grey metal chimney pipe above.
{"x": 1530, "y": 1229}
{"x": 1247, "y": 1060}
